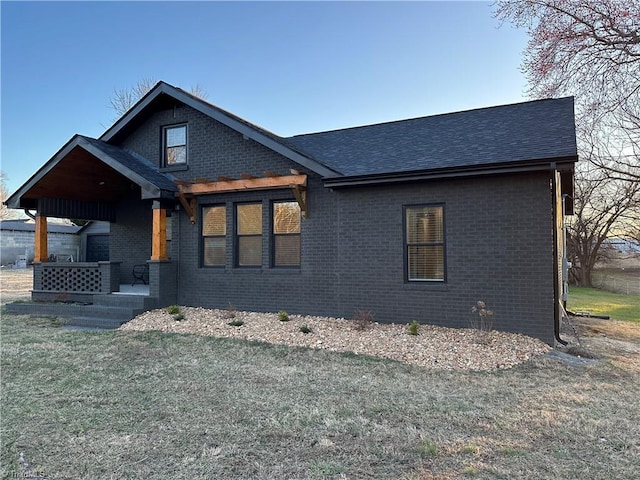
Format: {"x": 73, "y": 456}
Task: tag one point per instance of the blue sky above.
{"x": 289, "y": 67}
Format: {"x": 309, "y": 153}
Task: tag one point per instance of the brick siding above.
{"x": 499, "y": 240}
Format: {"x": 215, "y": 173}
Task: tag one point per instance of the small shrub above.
{"x": 283, "y": 316}
{"x": 236, "y": 323}
{"x": 173, "y": 309}
{"x": 230, "y": 312}
{"x": 178, "y": 317}
{"x": 482, "y": 321}
{"x": 363, "y": 319}
{"x": 413, "y": 328}
{"x": 305, "y": 328}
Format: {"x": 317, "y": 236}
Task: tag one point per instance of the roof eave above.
{"x": 148, "y": 189}
{"x": 560, "y": 163}
{"x": 14, "y": 200}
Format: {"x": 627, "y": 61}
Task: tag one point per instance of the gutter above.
{"x": 450, "y": 172}
{"x": 556, "y": 264}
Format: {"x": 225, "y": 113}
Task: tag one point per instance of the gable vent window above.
{"x": 175, "y": 145}
{"x": 425, "y": 243}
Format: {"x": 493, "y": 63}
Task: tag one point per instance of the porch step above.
{"x": 140, "y": 302}
{"x": 101, "y": 316}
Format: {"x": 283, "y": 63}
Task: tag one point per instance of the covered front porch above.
{"x": 91, "y": 180}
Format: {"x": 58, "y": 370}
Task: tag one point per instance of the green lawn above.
{"x": 128, "y": 405}
{"x": 599, "y": 302}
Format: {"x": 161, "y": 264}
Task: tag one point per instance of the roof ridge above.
{"x": 436, "y": 115}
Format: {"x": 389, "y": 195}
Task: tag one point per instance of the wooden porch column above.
{"x": 159, "y": 239}
{"x": 41, "y": 253}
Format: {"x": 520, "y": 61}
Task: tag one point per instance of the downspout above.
{"x": 556, "y": 264}
{"x": 29, "y": 214}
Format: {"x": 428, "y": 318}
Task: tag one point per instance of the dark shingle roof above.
{"x": 28, "y": 226}
{"x": 537, "y": 130}
{"x": 134, "y": 163}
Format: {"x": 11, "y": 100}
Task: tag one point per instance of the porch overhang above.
{"x": 86, "y": 177}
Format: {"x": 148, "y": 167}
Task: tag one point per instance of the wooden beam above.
{"x": 159, "y": 239}
{"x": 41, "y": 253}
{"x": 181, "y": 182}
{"x": 202, "y": 180}
{"x": 189, "y": 206}
{"x": 267, "y": 183}
{"x": 300, "y": 193}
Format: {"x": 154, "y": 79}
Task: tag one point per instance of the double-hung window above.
{"x": 214, "y": 231}
{"x": 425, "y": 243}
{"x": 174, "y": 142}
{"x": 249, "y": 235}
{"x": 286, "y": 234}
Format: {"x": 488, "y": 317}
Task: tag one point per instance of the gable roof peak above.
{"x": 140, "y": 110}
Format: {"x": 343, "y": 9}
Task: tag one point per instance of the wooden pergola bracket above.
{"x": 189, "y": 205}
{"x": 187, "y": 191}
{"x": 300, "y": 194}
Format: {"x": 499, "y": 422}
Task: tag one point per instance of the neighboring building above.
{"x": 18, "y": 238}
{"x": 412, "y": 220}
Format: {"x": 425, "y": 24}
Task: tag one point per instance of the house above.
{"x": 413, "y": 220}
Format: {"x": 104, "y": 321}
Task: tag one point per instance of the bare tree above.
{"x": 590, "y": 49}
{"x": 125, "y": 98}
{"x": 5, "y": 213}
{"x": 603, "y": 207}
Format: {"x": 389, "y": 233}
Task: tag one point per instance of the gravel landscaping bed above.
{"x": 434, "y": 347}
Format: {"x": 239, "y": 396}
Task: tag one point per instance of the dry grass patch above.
{"x": 124, "y": 404}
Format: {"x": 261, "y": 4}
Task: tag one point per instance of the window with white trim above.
{"x": 425, "y": 243}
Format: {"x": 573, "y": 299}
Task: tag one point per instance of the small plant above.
{"x": 230, "y": 311}
{"x": 173, "y": 309}
{"x": 178, "y": 317}
{"x": 482, "y": 321}
{"x": 236, "y": 323}
{"x": 427, "y": 448}
{"x": 413, "y": 328}
{"x": 305, "y": 328}
{"x": 283, "y": 316}
{"x": 363, "y": 319}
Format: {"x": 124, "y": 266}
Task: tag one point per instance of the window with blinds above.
{"x": 286, "y": 234}
{"x": 424, "y": 243}
{"x": 214, "y": 231}
{"x": 249, "y": 235}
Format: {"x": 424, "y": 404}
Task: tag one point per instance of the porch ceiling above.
{"x": 81, "y": 176}
{"x": 92, "y": 171}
